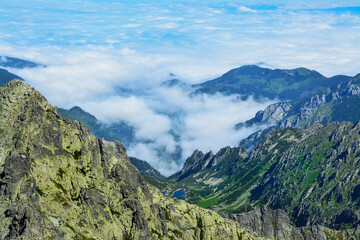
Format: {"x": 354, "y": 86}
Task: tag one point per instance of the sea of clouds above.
{"x": 94, "y": 48}
{"x": 163, "y": 117}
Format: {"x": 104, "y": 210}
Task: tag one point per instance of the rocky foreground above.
{"x": 58, "y": 181}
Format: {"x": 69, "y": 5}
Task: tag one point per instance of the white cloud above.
{"x": 211, "y": 120}
{"x": 168, "y": 25}
{"x": 247, "y": 9}
{"x": 91, "y": 79}
{"x": 146, "y": 151}
{"x": 148, "y": 124}
{"x": 131, "y": 25}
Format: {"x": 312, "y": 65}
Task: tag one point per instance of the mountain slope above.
{"x": 312, "y": 174}
{"x": 57, "y": 181}
{"x": 11, "y": 62}
{"x": 6, "y": 76}
{"x": 120, "y": 131}
{"x": 338, "y": 103}
{"x": 116, "y": 131}
{"x": 145, "y": 168}
{"x": 251, "y": 80}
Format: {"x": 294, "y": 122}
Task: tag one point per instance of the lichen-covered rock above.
{"x": 276, "y": 224}
{"x": 57, "y": 181}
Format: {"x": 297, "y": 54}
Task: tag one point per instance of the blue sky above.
{"x": 282, "y": 34}
{"x": 94, "y": 47}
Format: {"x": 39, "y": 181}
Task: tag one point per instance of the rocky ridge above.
{"x": 145, "y": 168}
{"x": 57, "y": 181}
{"x": 337, "y": 103}
{"x": 276, "y": 224}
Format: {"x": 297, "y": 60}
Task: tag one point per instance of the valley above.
{"x": 301, "y": 174}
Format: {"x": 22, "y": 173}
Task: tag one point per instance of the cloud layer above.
{"x": 111, "y": 57}
{"x": 165, "y": 119}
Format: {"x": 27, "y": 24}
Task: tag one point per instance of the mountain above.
{"x": 120, "y": 131}
{"x": 248, "y": 81}
{"x": 338, "y": 103}
{"x": 11, "y": 62}
{"x": 283, "y": 84}
{"x": 6, "y": 76}
{"x": 311, "y": 174}
{"x": 276, "y": 224}
{"x": 57, "y": 181}
{"x": 174, "y": 83}
{"x": 145, "y": 168}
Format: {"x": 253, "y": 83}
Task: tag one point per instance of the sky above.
{"x": 93, "y": 48}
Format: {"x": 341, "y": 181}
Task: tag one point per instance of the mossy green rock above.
{"x": 57, "y": 181}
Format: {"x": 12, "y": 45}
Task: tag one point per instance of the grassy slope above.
{"x": 311, "y": 174}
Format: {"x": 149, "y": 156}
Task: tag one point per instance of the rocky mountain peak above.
{"x": 57, "y": 181}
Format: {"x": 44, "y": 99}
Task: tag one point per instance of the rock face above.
{"x": 276, "y": 224}
{"x": 199, "y": 161}
{"x": 313, "y": 175}
{"x": 57, "y": 181}
{"x": 340, "y": 102}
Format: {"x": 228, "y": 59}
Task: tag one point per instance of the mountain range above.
{"x": 17, "y": 63}
{"x": 58, "y": 181}
{"x": 11, "y": 62}
{"x": 336, "y": 103}
{"x": 282, "y": 84}
{"x": 295, "y": 178}
{"x": 301, "y": 84}
{"x": 311, "y": 174}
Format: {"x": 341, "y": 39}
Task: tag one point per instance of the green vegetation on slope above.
{"x": 120, "y": 131}
{"x": 263, "y": 82}
{"x": 311, "y": 174}
{"x": 145, "y": 168}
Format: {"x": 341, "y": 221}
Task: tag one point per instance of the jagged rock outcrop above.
{"x": 57, "y": 181}
{"x": 199, "y": 161}
{"x": 276, "y": 224}
{"x": 338, "y": 103}
{"x": 271, "y": 114}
